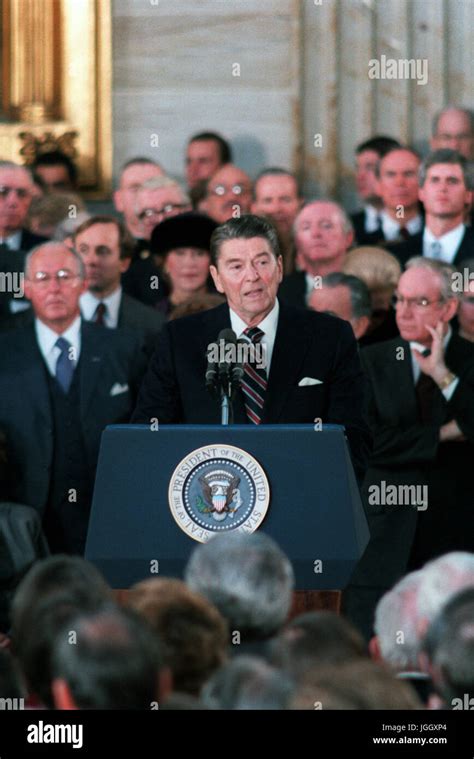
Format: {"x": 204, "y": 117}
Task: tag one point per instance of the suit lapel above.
{"x": 466, "y": 247}
{"x": 34, "y": 370}
{"x": 90, "y": 363}
{"x": 289, "y": 351}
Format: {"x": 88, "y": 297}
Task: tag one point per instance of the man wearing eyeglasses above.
{"x": 421, "y": 412}
{"x": 61, "y": 383}
{"x": 16, "y": 188}
{"x": 228, "y": 194}
{"x": 157, "y": 199}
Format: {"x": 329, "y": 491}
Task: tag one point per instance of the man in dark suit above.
{"x": 323, "y": 235}
{"x": 418, "y": 489}
{"x": 105, "y": 248}
{"x": 311, "y": 368}
{"x": 16, "y": 191}
{"x": 63, "y": 382}
{"x": 368, "y": 154}
{"x": 400, "y": 216}
{"x": 446, "y": 193}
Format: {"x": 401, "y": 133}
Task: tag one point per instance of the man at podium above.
{"x": 310, "y": 374}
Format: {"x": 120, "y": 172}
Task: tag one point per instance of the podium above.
{"x": 314, "y": 512}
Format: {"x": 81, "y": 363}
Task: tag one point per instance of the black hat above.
{"x": 187, "y": 230}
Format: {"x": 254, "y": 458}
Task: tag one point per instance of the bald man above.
{"x": 323, "y": 234}
{"x": 453, "y": 128}
{"x": 63, "y": 383}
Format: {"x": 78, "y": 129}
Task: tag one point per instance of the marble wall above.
{"x": 272, "y": 75}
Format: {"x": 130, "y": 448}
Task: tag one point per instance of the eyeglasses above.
{"x": 469, "y": 299}
{"x": 149, "y": 213}
{"x": 64, "y": 277}
{"x": 221, "y": 189}
{"x": 399, "y": 300}
{"x": 21, "y": 192}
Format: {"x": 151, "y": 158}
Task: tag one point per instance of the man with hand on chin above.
{"x": 421, "y": 412}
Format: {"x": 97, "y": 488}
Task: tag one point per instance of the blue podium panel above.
{"x": 315, "y": 512}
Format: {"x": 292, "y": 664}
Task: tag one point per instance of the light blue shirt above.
{"x": 46, "y": 338}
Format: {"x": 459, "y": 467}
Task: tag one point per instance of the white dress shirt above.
{"x": 47, "y": 338}
{"x": 449, "y": 243}
{"x": 89, "y": 302}
{"x": 13, "y": 242}
{"x": 371, "y": 219}
{"x": 448, "y": 391}
{"x": 267, "y": 325}
{"x": 391, "y": 227}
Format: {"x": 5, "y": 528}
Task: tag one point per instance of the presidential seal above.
{"x": 218, "y": 488}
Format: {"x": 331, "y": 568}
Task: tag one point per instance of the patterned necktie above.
{"x": 435, "y": 250}
{"x": 65, "y": 364}
{"x": 99, "y": 314}
{"x": 254, "y": 383}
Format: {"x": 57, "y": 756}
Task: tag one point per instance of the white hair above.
{"x": 443, "y": 578}
{"x": 396, "y": 623}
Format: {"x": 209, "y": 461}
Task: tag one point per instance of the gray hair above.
{"x": 346, "y": 223}
{"x": 442, "y": 578}
{"x": 16, "y": 167}
{"x": 247, "y": 578}
{"x": 445, "y": 155}
{"x": 246, "y": 227}
{"x": 248, "y": 682}
{"x": 80, "y": 264}
{"x": 444, "y": 272}
{"x": 396, "y": 623}
{"x": 360, "y": 296}
{"x": 468, "y": 112}
{"x": 158, "y": 183}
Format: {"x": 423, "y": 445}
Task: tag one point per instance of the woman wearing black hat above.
{"x": 183, "y": 244}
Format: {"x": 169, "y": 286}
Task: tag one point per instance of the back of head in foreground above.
{"x": 249, "y": 580}
{"x": 108, "y": 659}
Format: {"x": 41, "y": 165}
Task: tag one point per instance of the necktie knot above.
{"x": 435, "y": 250}
{"x": 254, "y": 334}
{"x": 62, "y": 344}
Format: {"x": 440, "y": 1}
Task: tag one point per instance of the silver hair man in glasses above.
{"x": 418, "y": 488}
{"x": 62, "y": 382}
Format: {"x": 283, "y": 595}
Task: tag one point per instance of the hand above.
{"x": 433, "y": 365}
{"x": 451, "y": 431}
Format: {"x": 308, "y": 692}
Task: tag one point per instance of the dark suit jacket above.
{"x": 406, "y": 452}
{"x": 307, "y": 344}
{"x": 362, "y": 237}
{"x": 414, "y": 247}
{"x": 30, "y": 239}
{"x": 293, "y": 289}
{"x": 108, "y": 359}
{"x": 143, "y": 319}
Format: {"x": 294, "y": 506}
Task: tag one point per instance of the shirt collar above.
{"x": 268, "y": 325}
{"x": 47, "y": 337}
{"x": 13, "y": 241}
{"x": 89, "y": 303}
{"x": 449, "y": 241}
{"x": 372, "y": 218}
{"x": 391, "y": 227}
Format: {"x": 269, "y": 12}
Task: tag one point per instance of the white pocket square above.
{"x": 306, "y": 381}
{"x": 117, "y": 389}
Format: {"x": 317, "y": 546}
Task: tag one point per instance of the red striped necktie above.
{"x": 254, "y": 383}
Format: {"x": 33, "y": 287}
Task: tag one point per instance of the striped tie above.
{"x": 254, "y": 383}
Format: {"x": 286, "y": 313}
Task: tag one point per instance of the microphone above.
{"x": 243, "y": 344}
{"x": 226, "y": 337}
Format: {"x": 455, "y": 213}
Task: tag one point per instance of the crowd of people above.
{"x": 367, "y": 320}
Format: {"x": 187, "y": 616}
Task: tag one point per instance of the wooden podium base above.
{"x": 315, "y": 600}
